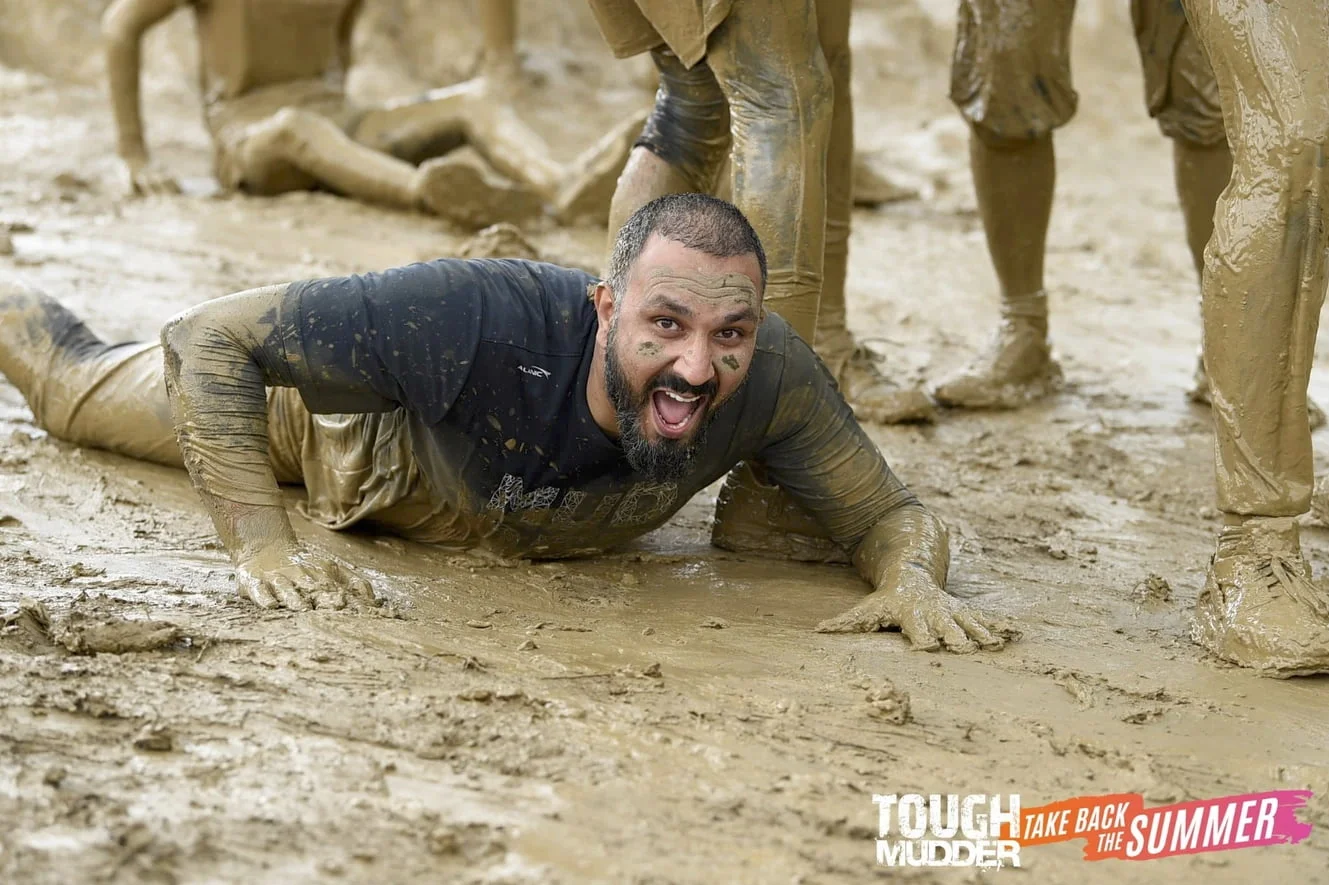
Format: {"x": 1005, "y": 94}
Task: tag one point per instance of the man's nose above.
{"x": 694, "y": 365}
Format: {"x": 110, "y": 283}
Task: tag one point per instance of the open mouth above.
{"x": 676, "y": 414}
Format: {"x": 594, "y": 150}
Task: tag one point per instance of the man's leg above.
{"x": 873, "y": 397}
{"x": 1264, "y": 285}
{"x": 111, "y": 396}
{"x": 81, "y": 389}
{"x": 1011, "y": 80}
{"x": 1182, "y": 95}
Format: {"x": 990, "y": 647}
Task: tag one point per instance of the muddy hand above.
{"x": 148, "y": 179}
{"x": 297, "y": 578}
{"x": 926, "y": 614}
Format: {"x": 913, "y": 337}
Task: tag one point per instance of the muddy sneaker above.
{"x": 1320, "y": 500}
{"x": 1200, "y": 395}
{"x": 462, "y": 188}
{"x": 754, "y": 517}
{"x": 872, "y": 395}
{"x": 1016, "y": 368}
{"x": 1259, "y": 608}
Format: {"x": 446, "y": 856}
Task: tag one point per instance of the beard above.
{"x": 663, "y": 460}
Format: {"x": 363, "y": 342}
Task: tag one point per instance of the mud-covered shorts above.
{"x": 234, "y": 121}
{"x": 356, "y": 468}
{"x": 1011, "y": 70}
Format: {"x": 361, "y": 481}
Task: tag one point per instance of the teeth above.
{"x": 681, "y": 398}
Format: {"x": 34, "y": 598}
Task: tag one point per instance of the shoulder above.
{"x": 794, "y": 378}
{"x": 535, "y": 306}
{"x": 778, "y": 345}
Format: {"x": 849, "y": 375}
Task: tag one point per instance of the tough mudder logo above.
{"x": 987, "y": 831}
{"x": 947, "y": 831}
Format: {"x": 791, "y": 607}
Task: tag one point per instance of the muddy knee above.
{"x": 1010, "y": 71}
{"x": 290, "y": 133}
{"x": 276, "y": 155}
{"x": 688, "y": 127}
{"x": 1180, "y": 90}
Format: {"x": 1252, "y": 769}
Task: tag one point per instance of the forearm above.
{"x": 123, "y": 26}
{"x": 122, "y": 73}
{"x": 122, "y": 39}
{"x": 909, "y": 537}
{"x": 218, "y": 394}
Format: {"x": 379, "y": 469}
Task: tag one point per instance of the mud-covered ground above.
{"x": 657, "y": 717}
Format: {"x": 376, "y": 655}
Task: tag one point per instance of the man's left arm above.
{"x": 820, "y": 454}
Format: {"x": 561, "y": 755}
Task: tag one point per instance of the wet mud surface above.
{"x": 666, "y": 715}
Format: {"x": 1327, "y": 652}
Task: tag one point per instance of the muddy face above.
{"x": 679, "y": 344}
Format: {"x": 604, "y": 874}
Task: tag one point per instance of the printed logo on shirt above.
{"x": 639, "y": 504}
{"x": 534, "y": 371}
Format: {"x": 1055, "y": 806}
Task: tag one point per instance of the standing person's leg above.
{"x": 873, "y": 397}
{"x": 768, "y": 61}
{"x": 683, "y": 144}
{"x": 1264, "y": 285}
{"x": 1011, "y": 80}
{"x": 1182, "y": 94}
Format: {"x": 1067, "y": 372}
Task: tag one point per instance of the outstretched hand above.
{"x": 296, "y": 578}
{"x": 927, "y": 615}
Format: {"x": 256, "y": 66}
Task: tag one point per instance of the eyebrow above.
{"x": 667, "y": 303}
{"x": 747, "y": 314}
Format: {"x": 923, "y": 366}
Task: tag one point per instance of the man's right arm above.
{"x": 220, "y": 359}
{"x": 123, "y": 27}
{"x": 405, "y": 337}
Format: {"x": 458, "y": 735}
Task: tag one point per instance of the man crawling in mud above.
{"x": 272, "y": 76}
{"x": 491, "y": 402}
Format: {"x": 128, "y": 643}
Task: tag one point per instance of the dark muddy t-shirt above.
{"x": 490, "y": 360}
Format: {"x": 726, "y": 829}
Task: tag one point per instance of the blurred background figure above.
{"x": 272, "y": 77}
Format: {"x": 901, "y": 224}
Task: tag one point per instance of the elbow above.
{"x": 177, "y": 337}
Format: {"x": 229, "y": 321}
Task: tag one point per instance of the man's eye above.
{"x": 730, "y": 334}
{"x": 666, "y": 324}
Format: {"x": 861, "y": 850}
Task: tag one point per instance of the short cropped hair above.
{"x": 698, "y": 221}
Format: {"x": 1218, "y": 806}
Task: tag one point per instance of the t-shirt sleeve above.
{"x": 373, "y": 342}
{"x": 816, "y": 450}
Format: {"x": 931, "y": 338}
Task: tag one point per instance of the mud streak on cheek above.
{"x": 732, "y": 362}
{"x": 648, "y": 348}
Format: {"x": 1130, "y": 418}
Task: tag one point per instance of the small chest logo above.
{"x": 534, "y": 371}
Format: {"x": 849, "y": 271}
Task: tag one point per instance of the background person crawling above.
{"x": 492, "y": 403}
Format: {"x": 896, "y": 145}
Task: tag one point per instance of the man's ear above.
{"x": 603, "y": 299}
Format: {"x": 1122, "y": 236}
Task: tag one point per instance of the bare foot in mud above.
{"x": 297, "y": 578}
{"x": 1016, "y": 368}
{"x": 929, "y": 617}
{"x": 1259, "y": 608}
{"x": 461, "y": 188}
{"x": 1199, "y": 394}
